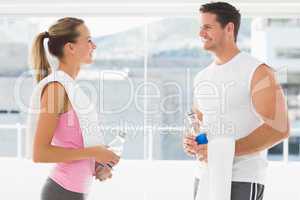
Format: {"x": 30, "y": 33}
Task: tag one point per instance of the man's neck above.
{"x": 225, "y": 55}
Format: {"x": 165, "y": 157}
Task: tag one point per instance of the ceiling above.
{"x": 144, "y": 8}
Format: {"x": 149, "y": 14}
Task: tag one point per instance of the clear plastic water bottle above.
{"x": 193, "y": 123}
{"x": 195, "y": 129}
{"x": 116, "y": 146}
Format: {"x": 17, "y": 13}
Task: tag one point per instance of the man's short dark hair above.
{"x": 225, "y": 13}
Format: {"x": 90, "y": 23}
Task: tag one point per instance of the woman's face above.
{"x": 84, "y": 47}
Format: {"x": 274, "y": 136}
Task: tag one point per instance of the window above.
{"x": 288, "y": 53}
{"x": 146, "y": 68}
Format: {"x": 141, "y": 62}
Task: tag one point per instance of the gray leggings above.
{"x": 53, "y": 191}
{"x": 241, "y": 190}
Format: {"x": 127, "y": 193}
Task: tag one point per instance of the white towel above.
{"x": 88, "y": 117}
{"x": 215, "y": 182}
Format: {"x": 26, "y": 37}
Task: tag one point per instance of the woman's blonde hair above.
{"x": 60, "y": 33}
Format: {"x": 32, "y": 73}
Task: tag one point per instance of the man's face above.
{"x": 211, "y": 33}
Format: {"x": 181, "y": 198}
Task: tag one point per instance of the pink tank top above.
{"x": 76, "y": 175}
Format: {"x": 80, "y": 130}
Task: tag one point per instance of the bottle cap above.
{"x": 201, "y": 138}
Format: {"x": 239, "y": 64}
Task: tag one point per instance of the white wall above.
{"x": 137, "y": 180}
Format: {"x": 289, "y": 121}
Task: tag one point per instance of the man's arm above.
{"x": 269, "y": 102}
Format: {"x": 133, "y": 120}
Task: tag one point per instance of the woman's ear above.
{"x": 69, "y": 48}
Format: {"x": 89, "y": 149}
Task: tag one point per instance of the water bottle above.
{"x": 195, "y": 128}
{"x": 116, "y": 146}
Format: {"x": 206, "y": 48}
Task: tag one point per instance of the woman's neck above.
{"x": 71, "y": 69}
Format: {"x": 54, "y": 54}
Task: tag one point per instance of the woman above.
{"x": 58, "y": 136}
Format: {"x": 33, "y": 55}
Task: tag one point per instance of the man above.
{"x": 237, "y": 96}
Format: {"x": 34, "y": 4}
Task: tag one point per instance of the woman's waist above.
{"x": 79, "y": 169}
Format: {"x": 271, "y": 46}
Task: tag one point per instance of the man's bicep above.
{"x": 266, "y": 93}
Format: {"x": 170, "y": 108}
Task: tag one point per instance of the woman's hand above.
{"x": 103, "y": 172}
{"x": 103, "y": 155}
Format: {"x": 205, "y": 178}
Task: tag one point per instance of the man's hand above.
{"x": 202, "y": 152}
{"x": 191, "y": 147}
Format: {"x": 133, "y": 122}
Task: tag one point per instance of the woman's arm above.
{"x": 52, "y": 103}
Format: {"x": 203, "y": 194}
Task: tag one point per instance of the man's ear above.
{"x": 230, "y": 28}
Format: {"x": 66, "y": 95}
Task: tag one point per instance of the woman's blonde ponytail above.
{"x": 39, "y": 58}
